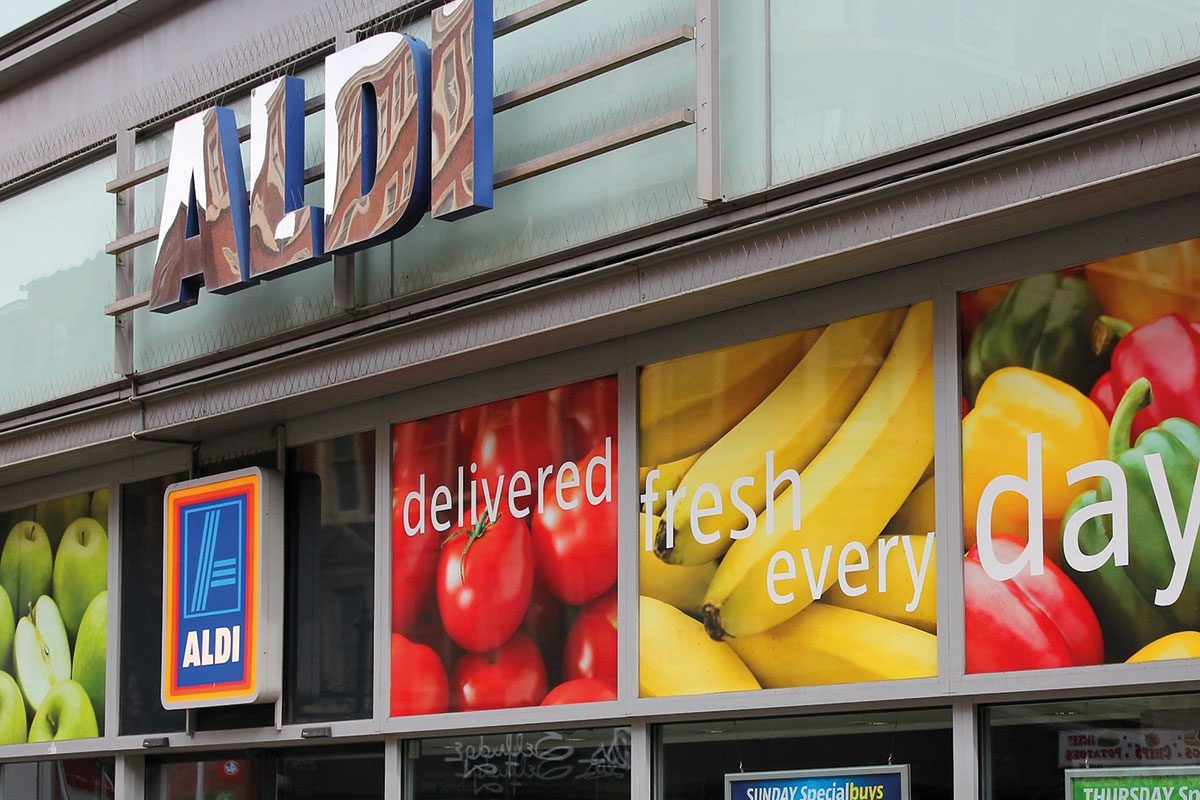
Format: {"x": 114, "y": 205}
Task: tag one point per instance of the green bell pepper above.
{"x": 1044, "y": 323}
{"x": 1123, "y": 596}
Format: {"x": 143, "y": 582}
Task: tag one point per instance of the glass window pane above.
{"x": 72, "y": 779}
{"x": 55, "y": 339}
{"x": 1029, "y": 746}
{"x": 328, "y": 774}
{"x": 54, "y": 619}
{"x": 853, "y": 79}
{"x": 696, "y": 757}
{"x": 331, "y": 572}
{"x": 591, "y": 763}
{"x": 141, "y": 611}
{"x": 738, "y": 574}
{"x": 1082, "y": 425}
{"x": 504, "y": 553}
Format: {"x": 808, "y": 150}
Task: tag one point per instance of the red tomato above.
{"x": 419, "y": 684}
{"x": 591, "y": 650}
{"x": 583, "y": 690}
{"x": 467, "y": 421}
{"x": 424, "y": 456}
{"x": 511, "y": 677}
{"x": 591, "y": 413}
{"x": 523, "y": 434}
{"x": 485, "y": 579}
{"x": 546, "y": 623}
{"x": 576, "y": 547}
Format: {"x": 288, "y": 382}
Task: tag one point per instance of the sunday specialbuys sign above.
{"x": 1153, "y": 783}
{"x": 889, "y": 782}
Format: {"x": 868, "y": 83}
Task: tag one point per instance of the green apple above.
{"x": 55, "y": 515}
{"x": 26, "y": 565}
{"x": 7, "y": 628}
{"x": 12, "y": 711}
{"x": 98, "y": 508}
{"x": 66, "y": 713}
{"x": 80, "y": 570}
{"x": 41, "y": 654}
{"x": 87, "y": 668}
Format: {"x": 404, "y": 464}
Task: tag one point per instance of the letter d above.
{"x": 1031, "y": 489}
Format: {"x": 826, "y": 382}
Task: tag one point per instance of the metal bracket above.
{"x": 708, "y": 102}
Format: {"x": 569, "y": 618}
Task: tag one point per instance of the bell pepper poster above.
{"x": 1080, "y": 454}
{"x": 504, "y": 553}
{"x": 54, "y": 619}
{"x": 787, "y": 530}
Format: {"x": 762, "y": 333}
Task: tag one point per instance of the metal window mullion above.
{"x": 708, "y": 101}
{"x": 112, "y": 645}
{"x": 381, "y": 655}
{"x": 345, "y": 296}
{"x": 393, "y": 769}
{"x": 641, "y": 762}
{"x": 129, "y": 780}
{"x": 123, "y": 285}
{"x": 628, "y": 537}
{"x": 948, "y": 487}
{"x": 965, "y": 735}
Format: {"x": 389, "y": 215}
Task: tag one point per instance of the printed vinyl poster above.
{"x": 504, "y": 553}
{"x": 787, "y": 510}
{"x": 1080, "y": 454}
{"x": 54, "y": 619}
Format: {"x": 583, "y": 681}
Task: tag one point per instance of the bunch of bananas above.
{"x": 849, "y": 408}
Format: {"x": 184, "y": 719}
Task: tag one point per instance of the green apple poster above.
{"x": 54, "y": 619}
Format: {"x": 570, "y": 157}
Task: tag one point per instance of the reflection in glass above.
{"x": 331, "y": 562}
{"x": 1029, "y": 746}
{"x": 889, "y": 78}
{"x": 697, "y": 756}
{"x": 73, "y": 779}
{"x": 326, "y": 775}
{"x": 54, "y": 337}
{"x": 590, "y": 763}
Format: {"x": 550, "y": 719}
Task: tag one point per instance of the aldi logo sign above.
{"x": 222, "y": 590}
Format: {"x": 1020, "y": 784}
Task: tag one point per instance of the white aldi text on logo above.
{"x": 408, "y": 130}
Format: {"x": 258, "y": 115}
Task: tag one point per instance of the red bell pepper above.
{"x": 1028, "y": 622}
{"x": 1167, "y": 351}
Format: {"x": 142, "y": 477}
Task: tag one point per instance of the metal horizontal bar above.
{"x": 123, "y": 182}
{"x": 150, "y": 171}
{"x": 528, "y": 16}
{"x": 538, "y": 166}
{"x": 598, "y": 66}
{"x": 593, "y": 147}
{"x": 127, "y": 304}
{"x": 130, "y": 241}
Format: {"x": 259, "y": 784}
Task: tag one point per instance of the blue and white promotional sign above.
{"x": 223, "y": 590}
{"x": 857, "y": 783}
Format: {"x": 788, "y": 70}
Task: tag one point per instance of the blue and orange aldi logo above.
{"x": 222, "y": 590}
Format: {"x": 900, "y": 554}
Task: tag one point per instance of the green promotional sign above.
{"x": 1144, "y": 784}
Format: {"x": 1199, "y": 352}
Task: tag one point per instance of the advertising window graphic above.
{"x": 504, "y": 553}
{"x": 54, "y": 619}
{"x": 1080, "y": 453}
{"x": 787, "y": 530}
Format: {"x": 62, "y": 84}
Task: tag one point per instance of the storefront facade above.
{"x": 640, "y": 400}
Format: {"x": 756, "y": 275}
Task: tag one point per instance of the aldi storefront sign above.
{"x": 222, "y": 590}
{"x": 1146, "y": 783}
{"x": 408, "y": 130}
{"x": 862, "y": 783}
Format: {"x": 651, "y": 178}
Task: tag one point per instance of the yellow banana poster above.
{"x": 787, "y": 513}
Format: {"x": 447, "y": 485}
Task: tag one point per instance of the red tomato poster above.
{"x": 504, "y": 553}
